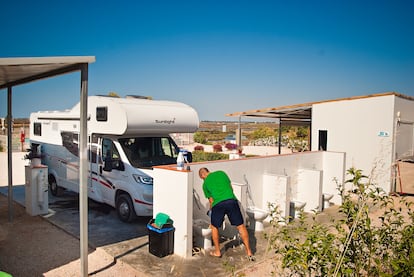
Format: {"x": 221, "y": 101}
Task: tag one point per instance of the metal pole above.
{"x": 83, "y": 171}
{"x": 10, "y": 152}
{"x": 310, "y": 136}
{"x": 239, "y": 136}
{"x": 280, "y": 136}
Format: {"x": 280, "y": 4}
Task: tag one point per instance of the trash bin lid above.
{"x": 161, "y": 219}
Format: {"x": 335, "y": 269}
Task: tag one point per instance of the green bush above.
{"x": 350, "y": 244}
{"x": 200, "y": 137}
{"x": 201, "y": 156}
{"x": 263, "y": 132}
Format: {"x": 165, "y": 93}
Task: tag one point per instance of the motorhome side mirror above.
{"x": 189, "y": 157}
{"x": 107, "y": 164}
{"x": 118, "y": 164}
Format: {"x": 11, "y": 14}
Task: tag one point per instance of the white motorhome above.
{"x": 126, "y": 138}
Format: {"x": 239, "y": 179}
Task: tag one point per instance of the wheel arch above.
{"x": 119, "y": 192}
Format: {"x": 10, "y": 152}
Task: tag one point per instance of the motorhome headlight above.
{"x": 141, "y": 179}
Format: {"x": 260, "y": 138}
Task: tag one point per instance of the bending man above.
{"x": 218, "y": 190}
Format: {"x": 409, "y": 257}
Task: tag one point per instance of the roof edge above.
{"x": 47, "y": 60}
{"x": 310, "y": 104}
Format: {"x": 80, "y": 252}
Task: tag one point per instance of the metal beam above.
{"x": 280, "y": 137}
{"x": 10, "y": 152}
{"x": 43, "y": 75}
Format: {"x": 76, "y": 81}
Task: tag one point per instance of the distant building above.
{"x": 183, "y": 138}
{"x": 232, "y": 138}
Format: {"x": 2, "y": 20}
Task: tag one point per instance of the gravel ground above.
{"x": 32, "y": 246}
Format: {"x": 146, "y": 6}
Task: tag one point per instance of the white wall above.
{"x": 363, "y": 129}
{"x": 173, "y": 195}
{"x": 276, "y": 191}
{"x": 253, "y": 169}
{"x": 180, "y": 195}
{"x": 18, "y": 163}
{"x": 333, "y": 174}
{"x": 405, "y": 130}
{"x": 309, "y": 189}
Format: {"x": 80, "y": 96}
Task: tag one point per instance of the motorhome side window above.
{"x": 168, "y": 148}
{"x": 109, "y": 150}
{"x": 93, "y": 149}
{"x": 37, "y": 129}
{"x": 70, "y": 141}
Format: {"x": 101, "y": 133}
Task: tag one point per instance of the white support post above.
{"x": 173, "y": 195}
{"x": 83, "y": 171}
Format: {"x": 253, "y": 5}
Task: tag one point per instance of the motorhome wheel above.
{"x": 54, "y": 188}
{"x": 125, "y": 208}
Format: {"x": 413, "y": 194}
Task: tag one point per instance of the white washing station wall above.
{"x": 274, "y": 179}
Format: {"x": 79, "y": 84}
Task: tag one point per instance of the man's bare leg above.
{"x": 215, "y": 236}
{"x": 244, "y": 234}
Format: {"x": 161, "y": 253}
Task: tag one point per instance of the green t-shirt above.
{"x": 217, "y": 185}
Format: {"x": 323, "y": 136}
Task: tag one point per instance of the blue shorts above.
{"x": 227, "y": 207}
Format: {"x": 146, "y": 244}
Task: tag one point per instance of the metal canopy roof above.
{"x": 17, "y": 71}
{"x": 301, "y": 114}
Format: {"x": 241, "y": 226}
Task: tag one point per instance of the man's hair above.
{"x": 204, "y": 168}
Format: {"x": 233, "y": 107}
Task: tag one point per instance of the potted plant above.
{"x": 33, "y": 155}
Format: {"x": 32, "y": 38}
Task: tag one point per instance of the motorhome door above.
{"x": 104, "y": 171}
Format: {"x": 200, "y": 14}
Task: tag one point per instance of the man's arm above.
{"x": 210, "y": 199}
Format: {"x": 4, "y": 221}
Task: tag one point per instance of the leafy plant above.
{"x": 230, "y": 146}
{"x": 201, "y": 156}
{"x": 198, "y": 148}
{"x": 263, "y": 132}
{"x": 353, "y": 243}
{"x": 217, "y": 148}
{"x": 200, "y": 137}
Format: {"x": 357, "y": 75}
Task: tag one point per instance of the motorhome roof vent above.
{"x": 110, "y": 96}
{"x": 138, "y": 97}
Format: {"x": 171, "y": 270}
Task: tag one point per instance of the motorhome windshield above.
{"x": 146, "y": 152}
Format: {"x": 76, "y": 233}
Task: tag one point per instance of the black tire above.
{"x": 53, "y": 186}
{"x": 125, "y": 208}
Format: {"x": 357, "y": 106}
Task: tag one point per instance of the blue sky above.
{"x": 217, "y": 56}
